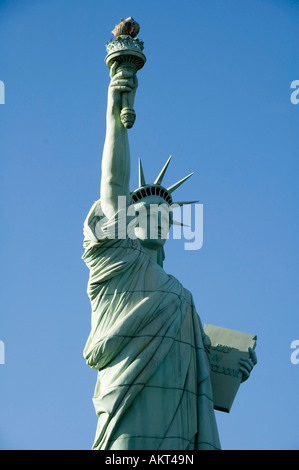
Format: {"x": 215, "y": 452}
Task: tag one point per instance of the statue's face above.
{"x": 154, "y": 220}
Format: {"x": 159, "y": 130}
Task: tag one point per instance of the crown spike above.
{"x": 175, "y": 222}
{"x": 141, "y": 174}
{"x": 176, "y": 185}
{"x": 162, "y": 172}
{"x": 183, "y": 203}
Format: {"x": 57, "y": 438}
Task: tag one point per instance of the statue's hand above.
{"x": 123, "y": 81}
{"x": 246, "y": 365}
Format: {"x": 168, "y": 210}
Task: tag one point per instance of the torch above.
{"x": 126, "y": 50}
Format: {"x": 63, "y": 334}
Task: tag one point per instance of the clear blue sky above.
{"x": 215, "y": 94}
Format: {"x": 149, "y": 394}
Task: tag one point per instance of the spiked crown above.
{"x": 156, "y": 189}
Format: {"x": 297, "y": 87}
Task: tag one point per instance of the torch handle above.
{"x": 127, "y": 114}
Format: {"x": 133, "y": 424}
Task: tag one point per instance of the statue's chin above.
{"x": 152, "y": 244}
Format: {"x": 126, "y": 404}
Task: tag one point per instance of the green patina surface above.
{"x": 153, "y": 389}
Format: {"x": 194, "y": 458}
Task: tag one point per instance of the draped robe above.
{"x": 153, "y": 389}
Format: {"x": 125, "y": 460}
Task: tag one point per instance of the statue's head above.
{"x": 154, "y": 204}
{"x": 154, "y": 221}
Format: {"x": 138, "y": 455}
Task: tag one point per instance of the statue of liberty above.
{"x": 147, "y": 343}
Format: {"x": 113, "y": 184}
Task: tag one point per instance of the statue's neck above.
{"x": 155, "y": 255}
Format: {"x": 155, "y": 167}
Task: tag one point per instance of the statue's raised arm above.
{"x": 116, "y": 154}
{"x": 124, "y": 59}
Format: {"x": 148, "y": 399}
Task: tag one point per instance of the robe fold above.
{"x": 153, "y": 389}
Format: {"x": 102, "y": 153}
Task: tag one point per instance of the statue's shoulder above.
{"x": 189, "y": 297}
{"x": 181, "y": 289}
